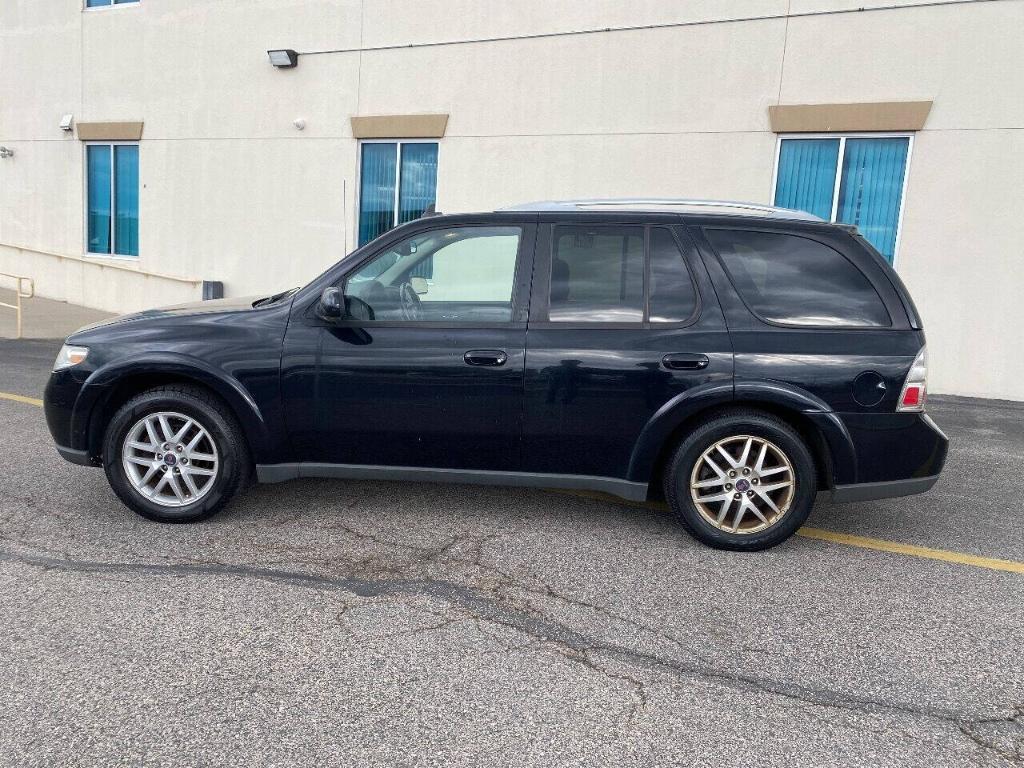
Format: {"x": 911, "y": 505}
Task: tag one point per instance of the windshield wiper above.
{"x": 276, "y": 297}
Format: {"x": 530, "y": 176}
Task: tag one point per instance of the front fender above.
{"x": 100, "y": 384}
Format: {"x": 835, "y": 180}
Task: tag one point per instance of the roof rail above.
{"x": 662, "y": 204}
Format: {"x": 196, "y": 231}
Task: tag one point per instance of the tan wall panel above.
{"x": 823, "y": 118}
{"x": 109, "y": 131}
{"x": 399, "y": 126}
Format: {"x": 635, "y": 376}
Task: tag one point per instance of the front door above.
{"x": 426, "y": 369}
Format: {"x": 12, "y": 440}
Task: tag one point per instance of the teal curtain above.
{"x": 807, "y": 175}
{"x": 377, "y": 179}
{"x": 871, "y": 189}
{"x": 419, "y": 181}
{"x": 97, "y": 161}
{"x": 126, "y": 200}
{"x": 418, "y": 191}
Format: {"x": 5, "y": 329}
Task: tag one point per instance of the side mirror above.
{"x": 332, "y": 303}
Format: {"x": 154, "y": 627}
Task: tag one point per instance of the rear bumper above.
{"x": 897, "y": 454}
{"x": 889, "y": 489}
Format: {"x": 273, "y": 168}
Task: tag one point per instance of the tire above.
{"x": 781, "y": 509}
{"x": 196, "y": 488}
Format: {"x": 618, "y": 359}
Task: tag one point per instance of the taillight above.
{"x": 915, "y": 388}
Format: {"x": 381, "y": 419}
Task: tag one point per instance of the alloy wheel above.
{"x": 170, "y": 459}
{"x": 743, "y": 484}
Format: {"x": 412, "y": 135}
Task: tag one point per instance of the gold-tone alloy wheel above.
{"x": 743, "y": 484}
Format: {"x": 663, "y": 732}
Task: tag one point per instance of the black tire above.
{"x": 234, "y": 467}
{"x": 706, "y": 435}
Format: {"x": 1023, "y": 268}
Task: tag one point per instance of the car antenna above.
{"x": 429, "y": 211}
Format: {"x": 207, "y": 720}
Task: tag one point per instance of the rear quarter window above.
{"x": 793, "y": 280}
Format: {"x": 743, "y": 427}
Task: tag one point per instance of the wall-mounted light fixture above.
{"x": 67, "y": 122}
{"x": 283, "y": 58}
{"x": 5, "y": 152}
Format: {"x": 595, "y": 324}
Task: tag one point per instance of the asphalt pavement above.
{"x": 386, "y": 624}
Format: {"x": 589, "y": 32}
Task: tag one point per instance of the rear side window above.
{"x": 798, "y": 281}
{"x": 673, "y": 296}
{"x": 598, "y": 275}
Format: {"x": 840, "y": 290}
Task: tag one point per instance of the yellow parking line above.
{"x": 20, "y": 398}
{"x": 834, "y": 537}
{"x": 863, "y": 542}
{"x": 949, "y": 556}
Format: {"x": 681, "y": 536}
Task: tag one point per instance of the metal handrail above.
{"x": 19, "y": 295}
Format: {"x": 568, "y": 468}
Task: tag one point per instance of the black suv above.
{"x": 736, "y": 358}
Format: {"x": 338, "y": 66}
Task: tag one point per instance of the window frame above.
{"x": 398, "y": 178}
{"x": 113, "y": 200}
{"x": 540, "y": 298}
{"x": 109, "y": 5}
{"x": 807, "y": 236}
{"x": 842, "y": 137}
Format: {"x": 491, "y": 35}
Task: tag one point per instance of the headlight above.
{"x": 69, "y": 356}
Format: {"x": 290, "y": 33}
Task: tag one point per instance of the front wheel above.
{"x": 175, "y": 454}
{"x": 742, "y": 481}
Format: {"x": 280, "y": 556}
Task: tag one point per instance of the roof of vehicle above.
{"x": 666, "y": 205}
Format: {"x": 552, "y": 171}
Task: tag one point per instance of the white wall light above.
{"x": 67, "y": 122}
{"x": 283, "y": 58}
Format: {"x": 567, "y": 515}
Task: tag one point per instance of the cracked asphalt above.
{"x": 369, "y": 623}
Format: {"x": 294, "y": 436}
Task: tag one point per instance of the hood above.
{"x": 240, "y": 304}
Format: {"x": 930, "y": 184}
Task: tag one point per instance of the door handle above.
{"x": 485, "y": 357}
{"x": 680, "y": 361}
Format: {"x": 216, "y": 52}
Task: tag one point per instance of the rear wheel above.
{"x": 743, "y": 481}
{"x": 175, "y": 454}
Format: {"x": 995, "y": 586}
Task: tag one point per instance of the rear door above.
{"x": 623, "y": 319}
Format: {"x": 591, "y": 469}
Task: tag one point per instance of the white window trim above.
{"x": 839, "y": 171}
{"x": 85, "y": 202}
{"x": 398, "y": 176}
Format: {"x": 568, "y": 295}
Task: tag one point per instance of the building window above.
{"x": 102, "y": 3}
{"x": 397, "y": 183}
{"x": 112, "y": 199}
{"x": 856, "y": 180}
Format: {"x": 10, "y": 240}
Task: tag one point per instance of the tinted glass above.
{"x": 673, "y": 297}
{"x": 798, "y": 281}
{"x": 470, "y": 278}
{"x": 597, "y": 274}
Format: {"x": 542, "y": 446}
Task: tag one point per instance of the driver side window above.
{"x": 459, "y": 274}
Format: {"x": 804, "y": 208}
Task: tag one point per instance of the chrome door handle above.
{"x": 685, "y": 362}
{"x": 485, "y": 357}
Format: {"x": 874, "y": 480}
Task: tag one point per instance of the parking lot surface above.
{"x": 370, "y": 623}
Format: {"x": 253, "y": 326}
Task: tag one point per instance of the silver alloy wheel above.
{"x": 743, "y": 484}
{"x": 170, "y": 459}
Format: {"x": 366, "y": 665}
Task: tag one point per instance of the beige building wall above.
{"x": 230, "y": 190}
